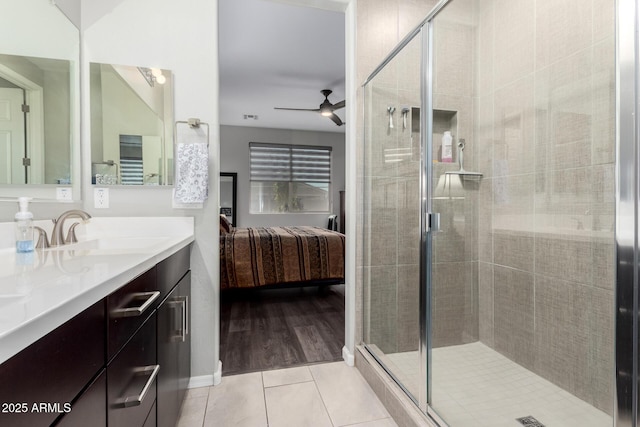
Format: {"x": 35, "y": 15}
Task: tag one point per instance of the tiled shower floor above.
{"x": 476, "y": 386}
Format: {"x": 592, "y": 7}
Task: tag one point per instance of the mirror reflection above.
{"x": 35, "y": 120}
{"x": 131, "y": 125}
{"x": 228, "y": 196}
{"x": 39, "y": 63}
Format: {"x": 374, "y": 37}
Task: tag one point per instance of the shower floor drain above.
{"x": 529, "y": 421}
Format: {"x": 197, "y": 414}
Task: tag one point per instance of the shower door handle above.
{"x": 433, "y": 219}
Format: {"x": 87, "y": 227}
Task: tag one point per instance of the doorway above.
{"x": 256, "y": 127}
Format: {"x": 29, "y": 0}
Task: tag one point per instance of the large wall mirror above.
{"x": 39, "y": 100}
{"x": 131, "y": 125}
{"x": 229, "y": 196}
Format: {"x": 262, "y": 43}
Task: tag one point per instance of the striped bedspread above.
{"x": 251, "y": 257}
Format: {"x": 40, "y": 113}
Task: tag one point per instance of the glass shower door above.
{"x": 522, "y": 270}
{"x": 502, "y": 313}
{"x": 391, "y": 177}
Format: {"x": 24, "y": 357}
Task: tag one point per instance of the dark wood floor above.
{"x": 281, "y": 328}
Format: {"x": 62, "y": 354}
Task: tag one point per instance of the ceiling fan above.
{"x": 326, "y": 108}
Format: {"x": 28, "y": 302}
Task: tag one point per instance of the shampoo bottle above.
{"x": 24, "y": 227}
{"x": 447, "y": 147}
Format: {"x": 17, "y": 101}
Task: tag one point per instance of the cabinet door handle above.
{"x": 148, "y": 297}
{"x": 175, "y": 332}
{"x": 184, "y": 330}
{"x": 130, "y": 401}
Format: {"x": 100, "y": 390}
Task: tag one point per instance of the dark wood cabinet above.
{"x": 171, "y": 270}
{"x": 91, "y": 406}
{"x": 124, "y": 361}
{"x": 151, "y": 418}
{"x": 36, "y": 383}
{"x": 131, "y": 379}
{"x": 184, "y": 347}
{"x": 128, "y": 308}
{"x": 168, "y": 334}
{"x": 174, "y": 351}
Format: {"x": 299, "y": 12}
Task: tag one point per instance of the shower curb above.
{"x": 403, "y": 411}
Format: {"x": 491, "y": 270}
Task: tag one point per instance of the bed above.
{"x": 279, "y": 256}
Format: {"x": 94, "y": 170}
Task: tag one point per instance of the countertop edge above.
{"x": 29, "y": 332}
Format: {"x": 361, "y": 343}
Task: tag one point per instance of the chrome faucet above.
{"x": 57, "y": 235}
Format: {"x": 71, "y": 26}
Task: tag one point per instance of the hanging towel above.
{"x": 192, "y": 167}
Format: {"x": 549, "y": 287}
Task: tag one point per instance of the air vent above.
{"x": 251, "y": 117}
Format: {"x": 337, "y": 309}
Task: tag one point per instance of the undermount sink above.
{"x": 115, "y": 244}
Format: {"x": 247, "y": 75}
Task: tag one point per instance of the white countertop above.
{"x": 41, "y": 290}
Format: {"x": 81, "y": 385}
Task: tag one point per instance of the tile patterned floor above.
{"x": 330, "y": 394}
{"x": 476, "y": 386}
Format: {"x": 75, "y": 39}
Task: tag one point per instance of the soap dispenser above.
{"x": 24, "y": 226}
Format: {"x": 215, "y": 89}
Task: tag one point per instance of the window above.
{"x": 131, "y": 171}
{"x": 289, "y": 178}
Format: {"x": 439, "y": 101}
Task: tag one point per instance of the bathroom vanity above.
{"x": 97, "y": 333}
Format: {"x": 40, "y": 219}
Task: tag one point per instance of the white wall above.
{"x": 71, "y": 8}
{"x": 234, "y": 157}
{"x": 180, "y": 36}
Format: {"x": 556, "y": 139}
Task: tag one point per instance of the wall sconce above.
{"x": 152, "y": 75}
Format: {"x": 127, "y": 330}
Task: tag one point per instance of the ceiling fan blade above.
{"x": 336, "y": 119}
{"x": 338, "y": 105}
{"x": 297, "y": 109}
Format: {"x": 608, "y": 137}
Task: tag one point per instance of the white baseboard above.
{"x": 348, "y": 356}
{"x": 217, "y": 375}
{"x": 207, "y": 380}
{"x": 201, "y": 381}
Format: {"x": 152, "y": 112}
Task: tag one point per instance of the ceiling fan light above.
{"x": 325, "y": 109}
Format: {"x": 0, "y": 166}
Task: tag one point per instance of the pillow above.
{"x": 225, "y": 225}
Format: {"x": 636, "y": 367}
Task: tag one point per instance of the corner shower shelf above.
{"x": 465, "y": 174}
{"x": 462, "y": 172}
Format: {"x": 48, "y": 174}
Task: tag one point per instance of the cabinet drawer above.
{"x": 131, "y": 379}
{"x": 152, "y": 417}
{"x": 171, "y": 270}
{"x": 54, "y": 369}
{"x": 128, "y": 308}
{"x": 90, "y": 408}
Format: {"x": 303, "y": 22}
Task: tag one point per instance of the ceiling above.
{"x": 279, "y": 55}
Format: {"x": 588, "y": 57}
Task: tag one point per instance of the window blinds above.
{"x": 131, "y": 167}
{"x": 297, "y": 163}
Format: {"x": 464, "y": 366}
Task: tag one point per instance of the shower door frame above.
{"x": 429, "y": 222}
{"x": 627, "y": 294}
{"x": 418, "y": 32}
{"x": 426, "y": 125}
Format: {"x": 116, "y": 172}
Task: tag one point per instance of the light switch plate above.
{"x": 64, "y": 194}
{"x": 101, "y": 198}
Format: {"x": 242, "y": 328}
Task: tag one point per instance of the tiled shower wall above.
{"x": 381, "y": 24}
{"x": 545, "y": 120}
{"x": 527, "y": 263}
{"x": 392, "y": 201}
{"x": 454, "y": 298}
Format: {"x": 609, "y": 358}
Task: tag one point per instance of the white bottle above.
{"x": 447, "y": 147}
{"x": 24, "y": 226}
